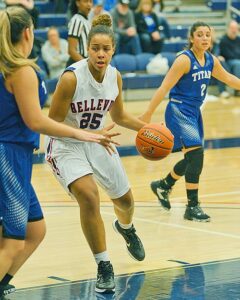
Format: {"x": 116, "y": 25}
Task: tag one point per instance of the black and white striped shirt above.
{"x": 79, "y": 28}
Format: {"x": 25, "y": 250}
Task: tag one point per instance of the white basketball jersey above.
{"x": 92, "y": 100}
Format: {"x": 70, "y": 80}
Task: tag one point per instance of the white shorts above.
{"x": 70, "y": 161}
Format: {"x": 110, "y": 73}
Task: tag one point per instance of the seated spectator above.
{"x": 55, "y": 53}
{"x": 148, "y": 27}
{"x": 229, "y": 49}
{"x": 78, "y": 29}
{"x": 97, "y": 10}
{"x": 223, "y": 93}
{"x": 29, "y": 6}
{"x": 127, "y": 39}
{"x": 164, "y": 27}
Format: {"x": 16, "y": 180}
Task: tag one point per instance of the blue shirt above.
{"x": 12, "y": 126}
{"x": 191, "y": 88}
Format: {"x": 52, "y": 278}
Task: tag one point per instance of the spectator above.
{"x": 158, "y": 7}
{"x": 29, "y": 6}
{"x": 97, "y": 10}
{"x": 127, "y": 39}
{"x": 229, "y": 49}
{"x": 55, "y": 53}
{"x": 78, "y": 29}
{"x": 148, "y": 27}
{"x": 223, "y": 93}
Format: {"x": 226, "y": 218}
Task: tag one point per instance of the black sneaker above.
{"x": 195, "y": 213}
{"x": 8, "y": 289}
{"x": 161, "y": 193}
{"x": 105, "y": 278}
{"x": 134, "y": 245}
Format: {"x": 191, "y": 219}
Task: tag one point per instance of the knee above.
{"x": 88, "y": 201}
{"x": 124, "y": 203}
{"x": 12, "y": 249}
{"x": 194, "y": 165}
{"x": 145, "y": 38}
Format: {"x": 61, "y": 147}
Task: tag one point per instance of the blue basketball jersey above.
{"x": 12, "y": 126}
{"x": 191, "y": 89}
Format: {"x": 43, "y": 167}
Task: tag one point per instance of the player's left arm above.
{"x": 221, "y": 74}
{"x": 119, "y": 115}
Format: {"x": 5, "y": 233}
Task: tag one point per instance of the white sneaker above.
{"x": 224, "y": 95}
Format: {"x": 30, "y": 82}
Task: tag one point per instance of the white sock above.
{"x": 102, "y": 256}
{"x": 125, "y": 226}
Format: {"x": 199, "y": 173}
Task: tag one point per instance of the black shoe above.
{"x": 105, "y": 278}
{"x": 161, "y": 193}
{"x": 8, "y": 289}
{"x": 134, "y": 245}
{"x": 195, "y": 213}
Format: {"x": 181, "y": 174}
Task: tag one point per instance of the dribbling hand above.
{"x": 107, "y": 138}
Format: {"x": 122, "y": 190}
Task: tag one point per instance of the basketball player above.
{"x": 22, "y": 91}
{"x": 187, "y": 81}
{"x": 84, "y": 95}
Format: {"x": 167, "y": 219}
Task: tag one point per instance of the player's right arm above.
{"x": 180, "y": 67}
{"x": 24, "y": 85}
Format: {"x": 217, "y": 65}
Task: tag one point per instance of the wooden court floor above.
{"x": 168, "y": 239}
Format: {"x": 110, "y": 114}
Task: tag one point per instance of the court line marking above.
{"x": 55, "y": 285}
{"x": 182, "y": 227}
{"x": 211, "y": 195}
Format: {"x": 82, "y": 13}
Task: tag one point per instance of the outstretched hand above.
{"x": 107, "y": 138}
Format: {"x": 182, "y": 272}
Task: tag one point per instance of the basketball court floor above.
{"x": 184, "y": 260}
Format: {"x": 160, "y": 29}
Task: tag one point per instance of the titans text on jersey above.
{"x": 201, "y": 75}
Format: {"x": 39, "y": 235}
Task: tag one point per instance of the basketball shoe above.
{"x": 8, "y": 289}
{"x": 105, "y": 278}
{"x": 162, "y": 193}
{"x": 195, "y": 213}
{"x": 134, "y": 245}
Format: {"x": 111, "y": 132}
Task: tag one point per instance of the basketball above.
{"x": 154, "y": 141}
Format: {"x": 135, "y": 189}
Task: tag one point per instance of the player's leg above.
{"x": 124, "y": 208}
{"x": 195, "y": 158}
{"x": 194, "y": 154}
{"x": 163, "y": 187}
{"x": 85, "y": 191}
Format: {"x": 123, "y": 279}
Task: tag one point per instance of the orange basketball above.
{"x": 154, "y": 141}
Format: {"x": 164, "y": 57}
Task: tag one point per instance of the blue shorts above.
{"x": 186, "y": 125}
{"x": 18, "y": 201}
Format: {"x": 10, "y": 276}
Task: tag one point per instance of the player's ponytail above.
{"x": 101, "y": 25}
{"x": 13, "y": 21}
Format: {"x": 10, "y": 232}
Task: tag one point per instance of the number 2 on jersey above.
{"x": 91, "y": 121}
{"x": 203, "y": 88}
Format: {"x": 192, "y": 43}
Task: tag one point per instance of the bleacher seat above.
{"x": 42, "y": 33}
{"x": 142, "y": 60}
{"x": 179, "y": 31}
{"x": 125, "y": 62}
{"x": 174, "y": 46}
{"x": 44, "y": 7}
{"x": 47, "y": 20}
{"x": 222, "y": 4}
{"x": 170, "y": 56}
{"x": 141, "y": 81}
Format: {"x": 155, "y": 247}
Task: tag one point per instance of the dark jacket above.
{"x": 141, "y": 24}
